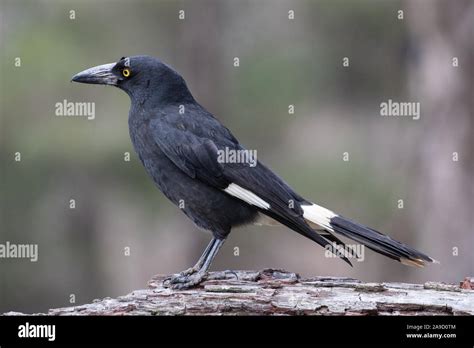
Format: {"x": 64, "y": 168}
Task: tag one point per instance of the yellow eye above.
{"x": 126, "y": 72}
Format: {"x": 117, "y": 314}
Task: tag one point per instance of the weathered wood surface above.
{"x": 277, "y": 292}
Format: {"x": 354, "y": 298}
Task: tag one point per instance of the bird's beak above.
{"x": 99, "y": 75}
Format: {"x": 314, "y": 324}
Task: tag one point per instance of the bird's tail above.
{"x": 372, "y": 239}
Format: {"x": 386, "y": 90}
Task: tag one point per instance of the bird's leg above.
{"x": 200, "y": 262}
{"x": 186, "y": 280}
{"x": 172, "y": 278}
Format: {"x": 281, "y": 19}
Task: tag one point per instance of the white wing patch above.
{"x": 318, "y": 215}
{"x": 246, "y": 196}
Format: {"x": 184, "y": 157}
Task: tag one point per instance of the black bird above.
{"x": 179, "y": 143}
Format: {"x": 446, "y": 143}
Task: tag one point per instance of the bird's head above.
{"x": 141, "y": 77}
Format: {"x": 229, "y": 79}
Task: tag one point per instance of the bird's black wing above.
{"x": 195, "y": 155}
{"x": 194, "y": 149}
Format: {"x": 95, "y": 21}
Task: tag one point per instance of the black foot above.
{"x": 186, "y": 272}
{"x": 184, "y": 280}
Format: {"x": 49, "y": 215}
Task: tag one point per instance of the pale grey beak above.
{"x": 100, "y": 75}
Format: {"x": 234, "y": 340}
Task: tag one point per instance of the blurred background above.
{"x": 83, "y": 251}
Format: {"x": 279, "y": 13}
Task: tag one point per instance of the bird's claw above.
{"x": 186, "y": 272}
{"x": 184, "y": 280}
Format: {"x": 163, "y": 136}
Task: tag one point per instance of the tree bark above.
{"x": 277, "y": 292}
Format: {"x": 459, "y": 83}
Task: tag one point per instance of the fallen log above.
{"x": 278, "y": 292}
